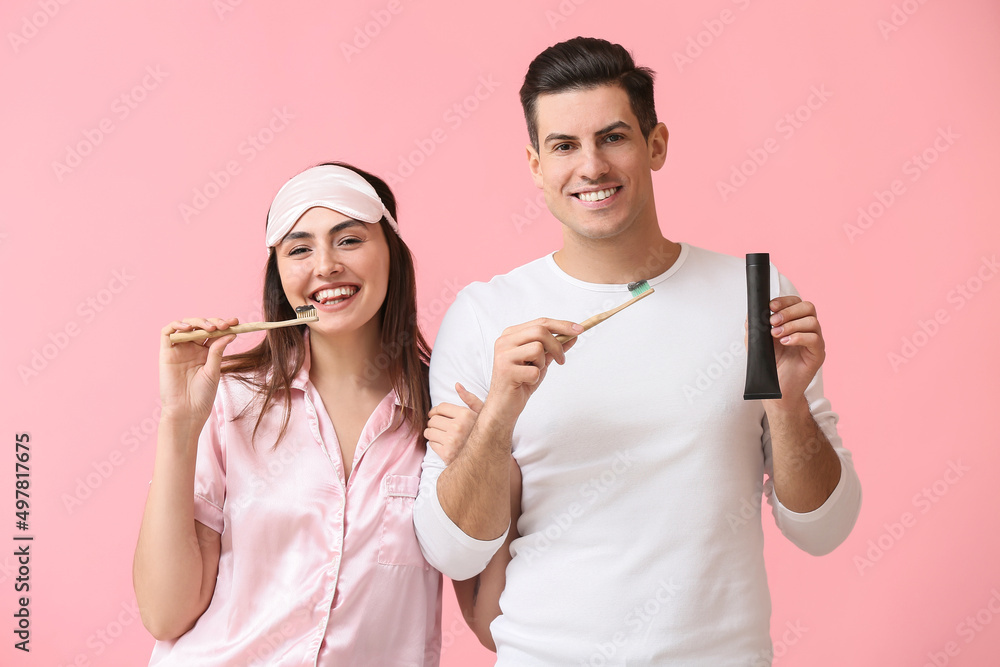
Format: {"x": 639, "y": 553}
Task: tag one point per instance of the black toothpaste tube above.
{"x": 762, "y": 370}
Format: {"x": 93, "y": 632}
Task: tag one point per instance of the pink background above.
{"x": 97, "y": 256}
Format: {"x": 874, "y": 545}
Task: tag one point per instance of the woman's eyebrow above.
{"x": 344, "y": 225}
{"x": 292, "y": 236}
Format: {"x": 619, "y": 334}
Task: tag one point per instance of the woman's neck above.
{"x": 349, "y": 360}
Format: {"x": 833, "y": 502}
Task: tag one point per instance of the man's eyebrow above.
{"x": 291, "y": 236}
{"x": 617, "y": 125}
{"x": 559, "y": 137}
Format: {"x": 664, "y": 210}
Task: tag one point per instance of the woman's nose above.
{"x": 327, "y": 262}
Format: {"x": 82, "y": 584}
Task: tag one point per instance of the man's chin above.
{"x": 595, "y": 232}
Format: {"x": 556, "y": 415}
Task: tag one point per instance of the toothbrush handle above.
{"x": 591, "y": 322}
{"x": 201, "y": 334}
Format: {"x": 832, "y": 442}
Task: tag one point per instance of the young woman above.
{"x": 278, "y": 528}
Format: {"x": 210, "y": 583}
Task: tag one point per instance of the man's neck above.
{"x": 617, "y": 260}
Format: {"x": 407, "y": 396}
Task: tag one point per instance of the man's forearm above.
{"x": 474, "y": 490}
{"x": 806, "y": 467}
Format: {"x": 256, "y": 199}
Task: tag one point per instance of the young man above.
{"x": 642, "y": 466}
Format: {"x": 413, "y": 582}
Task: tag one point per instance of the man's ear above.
{"x": 657, "y": 144}
{"x": 534, "y": 166}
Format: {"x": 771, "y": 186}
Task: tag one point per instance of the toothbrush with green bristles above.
{"x": 638, "y": 290}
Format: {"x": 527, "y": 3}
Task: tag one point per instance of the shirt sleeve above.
{"x": 822, "y": 530}
{"x": 210, "y": 469}
{"x": 460, "y": 355}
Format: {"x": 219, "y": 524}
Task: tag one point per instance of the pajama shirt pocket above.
{"x": 398, "y": 541}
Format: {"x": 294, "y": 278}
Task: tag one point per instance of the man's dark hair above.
{"x": 583, "y": 63}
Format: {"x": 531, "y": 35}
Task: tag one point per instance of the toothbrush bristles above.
{"x": 305, "y": 311}
{"x": 637, "y": 288}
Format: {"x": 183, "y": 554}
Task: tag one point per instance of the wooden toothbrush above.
{"x": 303, "y": 314}
{"x": 639, "y": 290}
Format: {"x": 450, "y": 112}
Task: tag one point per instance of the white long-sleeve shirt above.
{"x": 643, "y": 470}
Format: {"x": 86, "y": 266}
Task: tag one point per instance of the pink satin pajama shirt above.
{"x": 313, "y": 570}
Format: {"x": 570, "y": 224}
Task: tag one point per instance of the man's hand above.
{"x": 474, "y": 490}
{"x": 521, "y": 356}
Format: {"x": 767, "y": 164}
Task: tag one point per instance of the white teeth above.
{"x": 596, "y": 196}
{"x": 336, "y": 294}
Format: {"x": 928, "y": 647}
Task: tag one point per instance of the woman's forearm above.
{"x": 173, "y": 573}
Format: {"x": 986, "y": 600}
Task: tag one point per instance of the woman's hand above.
{"x": 189, "y": 372}
{"x": 449, "y": 426}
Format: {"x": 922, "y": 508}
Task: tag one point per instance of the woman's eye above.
{"x": 297, "y": 251}
{"x": 350, "y": 240}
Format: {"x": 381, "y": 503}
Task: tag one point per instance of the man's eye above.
{"x": 614, "y": 138}
{"x": 562, "y": 148}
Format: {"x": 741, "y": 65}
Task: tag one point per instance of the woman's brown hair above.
{"x": 270, "y": 366}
